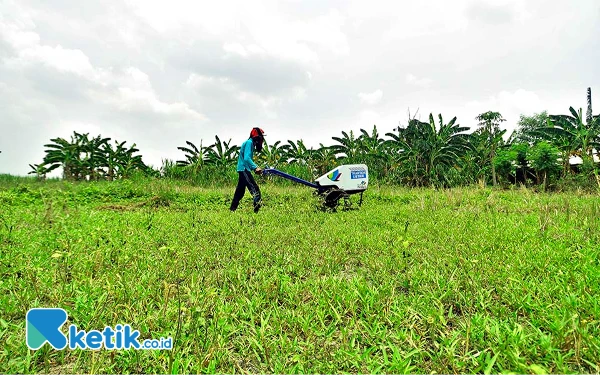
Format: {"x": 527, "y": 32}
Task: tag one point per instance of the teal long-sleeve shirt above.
{"x": 245, "y": 158}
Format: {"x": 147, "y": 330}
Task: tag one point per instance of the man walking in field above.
{"x": 244, "y": 167}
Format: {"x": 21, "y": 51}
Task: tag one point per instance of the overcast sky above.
{"x": 159, "y": 73}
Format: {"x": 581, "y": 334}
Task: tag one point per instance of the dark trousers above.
{"x": 245, "y": 180}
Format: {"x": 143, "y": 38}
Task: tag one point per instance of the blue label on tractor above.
{"x": 358, "y": 173}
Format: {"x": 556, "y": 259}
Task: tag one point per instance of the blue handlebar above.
{"x": 273, "y": 171}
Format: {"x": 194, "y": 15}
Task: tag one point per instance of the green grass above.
{"x": 466, "y": 280}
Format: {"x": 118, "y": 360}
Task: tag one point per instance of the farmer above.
{"x": 244, "y": 166}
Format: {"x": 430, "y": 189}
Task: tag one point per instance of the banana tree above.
{"x": 324, "y": 159}
{"x": 374, "y": 151}
{"x": 113, "y": 157}
{"x": 426, "y": 150}
{"x": 348, "y": 147}
{"x": 221, "y": 154}
{"x": 131, "y": 164}
{"x": 297, "y": 152}
{"x": 39, "y": 170}
{"x": 272, "y": 155}
{"x": 65, "y": 154}
{"x": 371, "y": 144}
{"x": 573, "y": 136}
{"x": 127, "y": 162}
{"x": 403, "y": 156}
{"x": 95, "y": 159}
{"x": 195, "y": 157}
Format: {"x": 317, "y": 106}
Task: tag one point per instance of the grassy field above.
{"x": 467, "y": 280}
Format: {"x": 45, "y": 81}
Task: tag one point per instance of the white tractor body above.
{"x": 352, "y": 178}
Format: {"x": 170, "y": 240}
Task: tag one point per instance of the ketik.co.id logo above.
{"x": 43, "y": 325}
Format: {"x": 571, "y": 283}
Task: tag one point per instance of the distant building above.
{"x": 577, "y": 160}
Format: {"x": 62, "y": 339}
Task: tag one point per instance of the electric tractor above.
{"x": 337, "y": 184}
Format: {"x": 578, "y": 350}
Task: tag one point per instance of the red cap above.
{"x": 257, "y": 132}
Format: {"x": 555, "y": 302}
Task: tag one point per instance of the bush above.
{"x": 543, "y": 158}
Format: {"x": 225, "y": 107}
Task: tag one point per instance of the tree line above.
{"x": 434, "y": 152}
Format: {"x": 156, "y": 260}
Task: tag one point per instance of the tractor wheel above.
{"x": 332, "y": 198}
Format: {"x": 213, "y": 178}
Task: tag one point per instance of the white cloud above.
{"x": 65, "y": 129}
{"x": 496, "y": 12}
{"x": 238, "y": 49}
{"x": 369, "y": 117}
{"x": 135, "y": 94}
{"x": 215, "y": 18}
{"x": 298, "y": 93}
{"x": 20, "y": 36}
{"x": 424, "y": 18}
{"x": 521, "y": 101}
{"x": 371, "y": 98}
{"x": 137, "y": 100}
{"x": 255, "y": 27}
{"x": 303, "y": 69}
{"x": 59, "y": 58}
{"x": 140, "y": 79}
{"x": 29, "y": 51}
{"x": 325, "y": 31}
{"x": 419, "y": 82}
{"x": 205, "y": 85}
{"x": 511, "y": 104}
